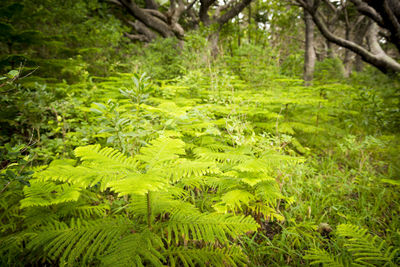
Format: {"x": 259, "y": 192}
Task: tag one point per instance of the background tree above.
{"x": 150, "y": 20}
{"x": 373, "y": 53}
{"x": 309, "y": 53}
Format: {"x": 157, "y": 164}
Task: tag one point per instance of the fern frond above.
{"x": 227, "y": 156}
{"x": 82, "y": 175}
{"x": 208, "y": 227}
{"x": 212, "y": 143}
{"x": 48, "y": 193}
{"x": 139, "y": 184}
{"x": 80, "y": 240}
{"x": 162, "y": 149}
{"x": 224, "y": 182}
{"x": 162, "y": 203}
{"x": 233, "y": 201}
{"x": 99, "y": 166}
{"x": 136, "y": 249}
{"x": 253, "y": 178}
{"x": 320, "y": 256}
{"x": 366, "y": 249}
{"x": 207, "y": 256}
{"x": 269, "y": 192}
{"x": 107, "y": 157}
{"x": 185, "y": 168}
{"x": 83, "y": 210}
{"x": 254, "y": 165}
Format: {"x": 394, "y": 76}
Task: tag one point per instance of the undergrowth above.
{"x": 222, "y": 163}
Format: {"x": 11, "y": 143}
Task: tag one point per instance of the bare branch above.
{"x": 393, "y": 20}
{"x": 137, "y": 37}
{"x": 143, "y": 29}
{"x": 191, "y": 5}
{"x": 115, "y": 2}
{"x": 150, "y": 21}
{"x": 156, "y": 13}
{"x": 367, "y": 10}
{"x": 233, "y": 11}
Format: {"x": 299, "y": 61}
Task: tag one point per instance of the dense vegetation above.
{"x": 180, "y": 153}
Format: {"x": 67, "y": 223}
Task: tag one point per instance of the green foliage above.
{"x": 161, "y": 59}
{"x": 366, "y": 249}
{"x": 142, "y": 175}
{"x": 200, "y": 162}
{"x": 330, "y": 69}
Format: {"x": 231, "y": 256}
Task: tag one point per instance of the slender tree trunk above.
{"x": 239, "y": 40}
{"x": 219, "y": 20}
{"x": 213, "y": 39}
{"x": 249, "y": 26}
{"x": 347, "y": 57}
{"x": 329, "y": 50}
{"x": 309, "y": 55}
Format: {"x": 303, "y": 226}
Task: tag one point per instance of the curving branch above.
{"x": 367, "y": 10}
{"x": 143, "y": 30}
{"x": 376, "y": 56}
{"x": 233, "y": 11}
{"x": 386, "y": 13}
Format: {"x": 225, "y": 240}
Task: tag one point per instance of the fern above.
{"x": 233, "y": 201}
{"x": 99, "y": 166}
{"x": 320, "y": 256}
{"x": 365, "y": 248}
{"x": 158, "y": 169}
{"x": 227, "y": 156}
{"x": 107, "y": 157}
{"x": 186, "y": 168}
{"x": 135, "y": 249}
{"x": 208, "y": 227}
{"x": 163, "y": 203}
{"x": 139, "y": 183}
{"x": 207, "y": 256}
{"x": 162, "y": 149}
{"x": 49, "y": 193}
{"x": 84, "y": 240}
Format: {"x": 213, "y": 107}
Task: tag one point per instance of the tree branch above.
{"x": 367, "y": 10}
{"x": 150, "y": 21}
{"x": 137, "y": 37}
{"x": 382, "y": 61}
{"x": 233, "y": 11}
{"x": 156, "y": 13}
{"x": 142, "y": 29}
{"x": 395, "y": 23}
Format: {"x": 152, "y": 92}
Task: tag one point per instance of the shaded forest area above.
{"x": 199, "y": 133}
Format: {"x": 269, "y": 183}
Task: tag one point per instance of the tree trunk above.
{"x": 213, "y": 39}
{"x": 347, "y": 57}
{"x": 309, "y": 55}
{"x": 249, "y": 26}
{"x": 381, "y": 61}
{"x": 375, "y": 54}
{"x": 232, "y": 8}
